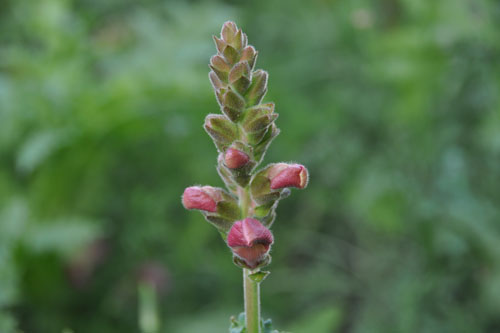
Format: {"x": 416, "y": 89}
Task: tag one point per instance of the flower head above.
{"x": 288, "y": 175}
{"x": 235, "y": 158}
{"x": 201, "y": 198}
{"x": 250, "y": 241}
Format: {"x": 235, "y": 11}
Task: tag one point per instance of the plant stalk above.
{"x": 251, "y": 289}
{"x": 252, "y": 302}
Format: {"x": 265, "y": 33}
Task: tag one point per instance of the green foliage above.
{"x": 393, "y": 105}
{"x": 238, "y": 325}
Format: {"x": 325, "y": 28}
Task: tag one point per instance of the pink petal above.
{"x": 195, "y": 198}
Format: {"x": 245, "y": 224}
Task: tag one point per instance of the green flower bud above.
{"x": 261, "y": 148}
{"x": 258, "y": 88}
{"x": 266, "y": 213}
{"x": 230, "y": 54}
{"x": 220, "y": 64}
{"x": 219, "y": 44}
{"x": 239, "y": 76}
{"x": 228, "y": 31}
{"x": 234, "y": 101}
{"x": 261, "y": 123}
{"x": 215, "y": 81}
{"x": 239, "y": 40}
{"x": 241, "y": 85}
{"x": 240, "y": 69}
{"x": 250, "y": 55}
{"x": 221, "y": 129}
{"x": 233, "y": 105}
{"x": 227, "y": 177}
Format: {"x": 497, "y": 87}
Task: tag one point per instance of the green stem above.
{"x": 245, "y": 201}
{"x": 148, "y": 309}
{"x": 251, "y": 289}
{"x": 252, "y": 302}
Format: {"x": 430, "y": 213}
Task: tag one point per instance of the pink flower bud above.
{"x": 250, "y": 241}
{"x": 235, "y": 158}
{"x": 196, "y": 197}
{"x": 288, "y": 175}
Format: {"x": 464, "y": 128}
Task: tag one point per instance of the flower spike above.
{"x": 242, "y": 133}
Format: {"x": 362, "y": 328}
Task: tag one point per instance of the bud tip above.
{"x": 235, "y": 158}
{"x": 250, "y": 241}
{"x": 195, "y": 197}
{"x": 291, "y": 175}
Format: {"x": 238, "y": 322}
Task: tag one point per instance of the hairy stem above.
{"x": 244, "y": 201}
{"x": 251, "y": 289}
{"x": 252, "y": 302}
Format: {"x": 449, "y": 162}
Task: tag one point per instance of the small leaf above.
{"x": 258, "y": 88}
{"x": 228, "y": 209}
{"x": 231, "y": 113}
{"x": 238, "y": 40}
{"x": 237, "y": 324}
{"x": 234, "y": 101}
{"x": 214, "y": 79}
{"x": 259, "y": 276}
{"x": 228, "y": 31}
{"x": 219, "y": 44}
{"x": 222, "y": 224}
{"x": 230, "y": 54}
{"x": 219, "y": 63}
{"x": 241, "y": 85}
{"x": 221, "y": 129}
{"x": 240, "y": 69}
{"x": 249, "y": 54}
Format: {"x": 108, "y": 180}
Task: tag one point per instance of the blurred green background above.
{"x": 392, "y": 104}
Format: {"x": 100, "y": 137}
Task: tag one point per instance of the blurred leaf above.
{"x": 321, "y": 321}
{"x": 63, "y": 236}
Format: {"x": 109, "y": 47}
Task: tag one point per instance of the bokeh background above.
{"x": 392, "y": 104}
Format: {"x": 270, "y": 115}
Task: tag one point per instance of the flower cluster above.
{"x": 242, "y": 134}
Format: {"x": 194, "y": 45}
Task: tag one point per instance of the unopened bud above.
{"x": 214, "y": 79}
{"x": 221, "y": 129}
{"x": 220, "y": 64}
{"x": 233, "y": 100}
{"x": 228, "y": 32}
{"x": 261, "y": 148}
{"x": 260, "y": 123}
{"x": 232, "y": 105}
{"x": 240, "y": 69}
{"x": 249, "y": 54}
{"x": 235, "y": 158}
{"x": 217, "y": 206}
{"x": 288, "y": 175}
{"x": 219, "y": 44}
{"x": 258, "y": 88}
{"x": 195, "y": 197}
{"x": 250, "y": 241}
{"x": 277, "y": 176}
{"x": 230, "y": 54}
{"x": 239, "y": 40}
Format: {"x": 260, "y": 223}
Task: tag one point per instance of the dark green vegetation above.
{"x": 393, "y": 105}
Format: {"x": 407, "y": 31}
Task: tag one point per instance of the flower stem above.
{"x": 251, "y": 289}
{"x": 244, "y": 201}
{"x": 252, "y": 302}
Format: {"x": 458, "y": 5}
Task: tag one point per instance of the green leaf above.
{"x": 259, "y": 276}
{"x": 238, "y": 325}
